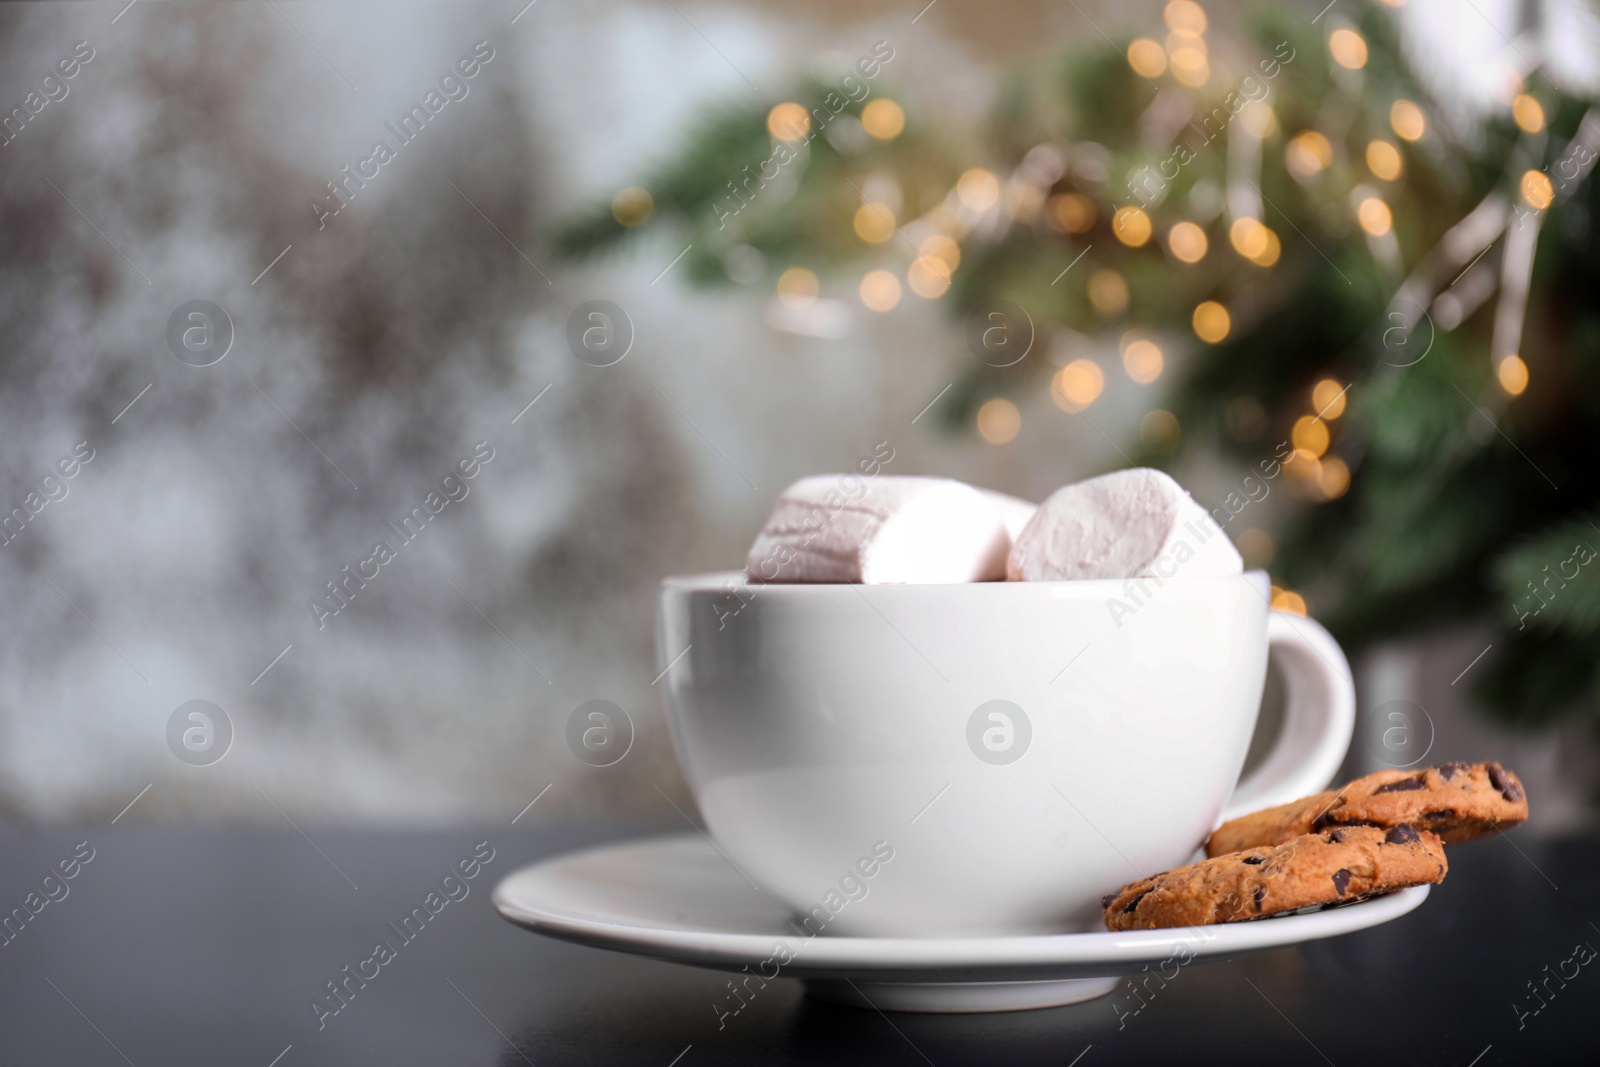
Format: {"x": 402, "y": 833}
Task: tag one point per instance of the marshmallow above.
{"x": 844, "y": 528}
{"x": 1129, "y": 524}
{"x": 1014, "y": 512}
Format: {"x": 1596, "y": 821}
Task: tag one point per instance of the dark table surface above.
{"x": 208, "y": 946}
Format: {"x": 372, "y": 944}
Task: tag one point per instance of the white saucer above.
{"x": 675, "y": 898}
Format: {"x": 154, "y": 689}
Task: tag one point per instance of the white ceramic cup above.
{"x": 984, "y": 759}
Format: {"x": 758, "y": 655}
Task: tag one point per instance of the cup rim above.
{"x": 1093, "y": 588}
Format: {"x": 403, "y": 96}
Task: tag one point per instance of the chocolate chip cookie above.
{"x": 1337, "y": 865}
{"x": 1457, "y": 801}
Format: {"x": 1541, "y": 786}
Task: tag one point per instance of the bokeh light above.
{"x": 1248, "y": 237}
{"x": 929, "y": 277}
{"x": 1108, "y": 292}
{"x": 1373, "y": 214}
{"x": 883, "y": 119}
{"x": 1512, "y": 374}
{"x": 880, "y": 290}
{"x": 1147, "y": 58}
{"x": 1211, "y": 321}
{"x": 999, "y": 421}
{"x": 1077, "y": 385}
{"x": 1328, "y": 398}
{"x": 1310, "y": 434}
{"x": 1334, "y": 478}
{"x": 1255, "y": 546}
{"x": 789, "y": 121}
{"x": 1537, "y": 190}
{"x": 1288, "y": 601}
{"x": 1348, "y": 48}
{"x": 1190, "y": 67}
{"x": 1160, "y": 432}
{"x": 1187, "y": 242}
{"x": 874, "y": 222}
{"x": 1258, "y": 119}
{"x": 943, "y": 248}
{"x": 1527, "y": 113}
{"x": 1407, "y": 120}
{"x": 1142, "y": 360}
{"x": 1071, "y": 213}
{"x": 1131, "y": 226}
{"x": 978, "y": 189}
{"x": 798, "y": 288}
{"x": 1308, "y": 154}
{"x": 632, "y": 206}
{"x": 1383, "y": 160}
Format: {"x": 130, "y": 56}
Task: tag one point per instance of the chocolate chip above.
{"x": 1341, "y": 881}
{"x": 1404, "y": 785}
{"x": 1105, "y": 901}
{"x": 1334, "y": 837}
{"x": 1438, "y": 815}
{"x": 1403, "y": 834}
{"x": 1254, "y": 860}
{"x": 1450, "y": 770}
{"x": 1507, "y": 785}
{"x": 1259, "y": 894}
{"x": 1134, "y": 903}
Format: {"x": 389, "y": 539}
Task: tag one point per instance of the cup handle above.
{"x": 1318, "y": 719}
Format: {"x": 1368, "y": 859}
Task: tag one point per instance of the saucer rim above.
{"x": 821, "y": 955}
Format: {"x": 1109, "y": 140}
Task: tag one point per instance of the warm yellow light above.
{"x": 883, "y": 119}
{"x": 1185, "y": 16}
{"x": 944, "y": 249}
{"x": 789, "y": 121}
{"x": 1176, "y": 41}
{"x": 1513, "y": 375}
{"x": 928, "y": 277}
{"x": 880, "y": 290}
{"x": 1310, "y": 434}
{"x": 1258, "y": 119}
{"x": 1286, "y": 601}
{"x": 1348, "y": 48}
{"x": 978, "y": 189}
{"x": 1248, "y": 237}
{"x": 1327, "y": 397}
{"x": 1373, "y": 214}
{"x": 1189, "y": 66}
{"x": 1070, "y": 213}
{"x": 1211, "y": 321}
{"x": 1131, "y": 225}
{"x": 1159, "y": 431}
{"x": 1142, "y": 360}
{"x": 798, "y": 287}
{"x": 874, "y": 223}
{"x": 1334, "y": 478}
{"x": 1270, "y": 253}
{"x": 1537, "y": 190}
{"x": 1077, "y": 385}
{"x": 1147, "y": 58}
{"x": 1187, "y": 242}
{"x": 1407, "y": 120}
{"x": 1528, "y": 113}
{"x": 1308, "y": 154}
{"x": 632, "y": 206}
{"x": 1108, "y": 292}
{"x": 1383, "y": 160}
{"x": 998, "y": 421}
{"x": 1303, "y": 463}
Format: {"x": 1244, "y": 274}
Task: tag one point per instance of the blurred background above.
{"x": 578, "y": 289}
